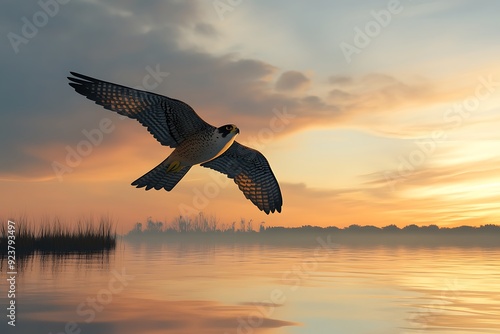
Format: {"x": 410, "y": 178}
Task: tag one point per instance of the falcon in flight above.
{"x": 174, "y": 123}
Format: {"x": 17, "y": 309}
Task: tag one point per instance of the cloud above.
{"x": 377, "y": 93}
{"x": 340, "y": 96}
{"x": 292, "y": 81}
{"x": 450, "y": 189}
{"x": 206, "y": 30}
{"x": 340, "y": 80}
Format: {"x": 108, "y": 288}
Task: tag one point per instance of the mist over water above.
{"x": 214, "y": 287}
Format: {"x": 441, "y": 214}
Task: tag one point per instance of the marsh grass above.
{"x": 53, "y": 237}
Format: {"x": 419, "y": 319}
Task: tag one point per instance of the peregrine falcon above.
{"x": 175, "y": 124}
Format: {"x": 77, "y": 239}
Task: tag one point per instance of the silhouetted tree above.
{"x": 411, "y": 228}
{"x": 353, "y": 228}
{"x": 430, "y": 228}
{"x": 137, "y": 228}
{"x": 153, "y": 226}
{"x": 390, "y": 228}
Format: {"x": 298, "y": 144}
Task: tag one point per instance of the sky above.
{"x": 369, "y": 112}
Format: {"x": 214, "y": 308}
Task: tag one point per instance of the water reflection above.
{"x": 56, "y": 262}
{"x": 192, "y": 287}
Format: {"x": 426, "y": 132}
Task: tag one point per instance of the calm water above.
{"x": 219, "y": 288}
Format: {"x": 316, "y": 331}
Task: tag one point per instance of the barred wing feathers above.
{"x": 170, "y": 121}
{"x": 251, "y": 172}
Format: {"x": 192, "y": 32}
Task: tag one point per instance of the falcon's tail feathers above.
{"x": 159, "y": 177}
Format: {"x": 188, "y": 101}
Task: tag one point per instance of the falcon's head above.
{"x": 229, "y": 129}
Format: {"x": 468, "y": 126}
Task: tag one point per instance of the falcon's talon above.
{"x": 174, "y": 123}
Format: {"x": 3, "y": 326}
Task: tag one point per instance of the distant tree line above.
{"x": 197, "y": 224}
{"x": 204, "y": 224}
{"x": 355, "y": 228}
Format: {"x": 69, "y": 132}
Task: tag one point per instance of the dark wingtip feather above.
{"x": 81, "y": 76}
{"x": 138, "y": 185}
{"x": 78, "y": 81}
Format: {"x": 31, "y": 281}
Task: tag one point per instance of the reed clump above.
{"x": 50, "y": 236}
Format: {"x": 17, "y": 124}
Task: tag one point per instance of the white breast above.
{"x": 202, "y": 148}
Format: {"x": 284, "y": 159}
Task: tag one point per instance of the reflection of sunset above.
{"x": 185, "y": 287}
{"x": 150, "y": 316}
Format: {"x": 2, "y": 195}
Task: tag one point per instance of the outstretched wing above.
{"x": 253, "y": 175}
{"x": 170, "y": 121}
